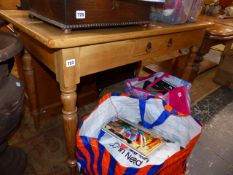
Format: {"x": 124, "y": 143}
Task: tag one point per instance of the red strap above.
{"x": 156, "y": 81}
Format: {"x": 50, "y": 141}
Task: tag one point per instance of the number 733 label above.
{"x": 70, "y": 63}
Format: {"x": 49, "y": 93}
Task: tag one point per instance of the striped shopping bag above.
{"x": 96, "y": 154}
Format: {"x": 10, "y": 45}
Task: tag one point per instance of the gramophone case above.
{"x": 71, "y": 14}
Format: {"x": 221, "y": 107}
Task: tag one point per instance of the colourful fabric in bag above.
{"x": 95, "y": 157}
{"x": 177, "y": 98}
{"x": 175, "y": 91}
{"x": 174, "y": 11}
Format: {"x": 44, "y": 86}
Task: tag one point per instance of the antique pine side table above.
{"x": 84, "y": 52}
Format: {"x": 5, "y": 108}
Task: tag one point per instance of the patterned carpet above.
{"x": 206, "y": 109}
{"x": 46, "y": 149}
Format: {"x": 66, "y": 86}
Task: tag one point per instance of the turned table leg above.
{"x": 204, "y": 49}
{"x": 228, "y": 46}
{"x": 30, "y": 84}
{"x": 185, "y": 66}
{"x": 192, "y": 67}
{"x": 69, "y": 111}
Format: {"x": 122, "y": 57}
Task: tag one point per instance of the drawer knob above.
{"x": 170, "y": 42}
{"x": 148, "y": 46}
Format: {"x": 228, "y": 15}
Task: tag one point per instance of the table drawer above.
{"x": 160, "y": 45}
{"x": 100, "y": 57}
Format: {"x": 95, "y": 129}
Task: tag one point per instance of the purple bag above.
{"x": 175, "y": 91}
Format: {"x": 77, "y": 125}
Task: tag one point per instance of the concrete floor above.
{"x": 213, "y": 154}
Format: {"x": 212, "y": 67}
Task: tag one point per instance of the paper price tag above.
{"x": 80, "y": 14}
{"x": 70, "y": 63}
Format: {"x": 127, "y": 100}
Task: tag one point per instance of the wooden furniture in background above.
{"x": 84, "y": 52}
{"x": 224, "y": 74}
{"x": 224, "y": 34}
{"x": 220, "y": 33}
{"x": 8, "y": 4}
{"x": 225, "y": 3}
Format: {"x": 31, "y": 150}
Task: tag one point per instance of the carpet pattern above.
{"x": 206, "y": 109}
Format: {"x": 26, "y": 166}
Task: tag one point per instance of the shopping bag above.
{"x": 100, "y": 153}
{"x": 175, "y": 91}
{"x": 176, "y": 11}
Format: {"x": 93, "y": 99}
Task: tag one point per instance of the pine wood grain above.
{"x": 53, "y": 37}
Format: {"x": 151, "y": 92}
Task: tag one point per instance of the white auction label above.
{"x": 70, "y": 63}
{"x": 80, "y": 14}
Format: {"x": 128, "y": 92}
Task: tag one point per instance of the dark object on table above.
{"x": 159, "y": 87}
{"x": 23, "y": 5}
{"x": 12, "y": 160}
{"x": 74, "y": 14}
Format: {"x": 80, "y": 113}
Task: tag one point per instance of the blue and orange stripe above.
{"x": 82, "y": 147}
{"x": 96, "y": 160}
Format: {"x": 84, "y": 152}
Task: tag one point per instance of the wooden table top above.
{"x": 215, "y": 19}
{"x": 223, "y": 28}
{"x": 228, "y": 22}
{"x": 54, "y": 37}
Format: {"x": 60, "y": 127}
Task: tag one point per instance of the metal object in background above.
{"x": 12, "y": 159}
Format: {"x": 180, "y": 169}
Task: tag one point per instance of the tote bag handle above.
{"x": 161, "y": 119}
{"x": 156, "y": 81}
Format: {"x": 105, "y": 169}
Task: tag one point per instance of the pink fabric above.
{"x": 177, "y": 98}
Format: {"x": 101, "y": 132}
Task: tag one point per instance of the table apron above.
{"x": 69, "y": 64}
